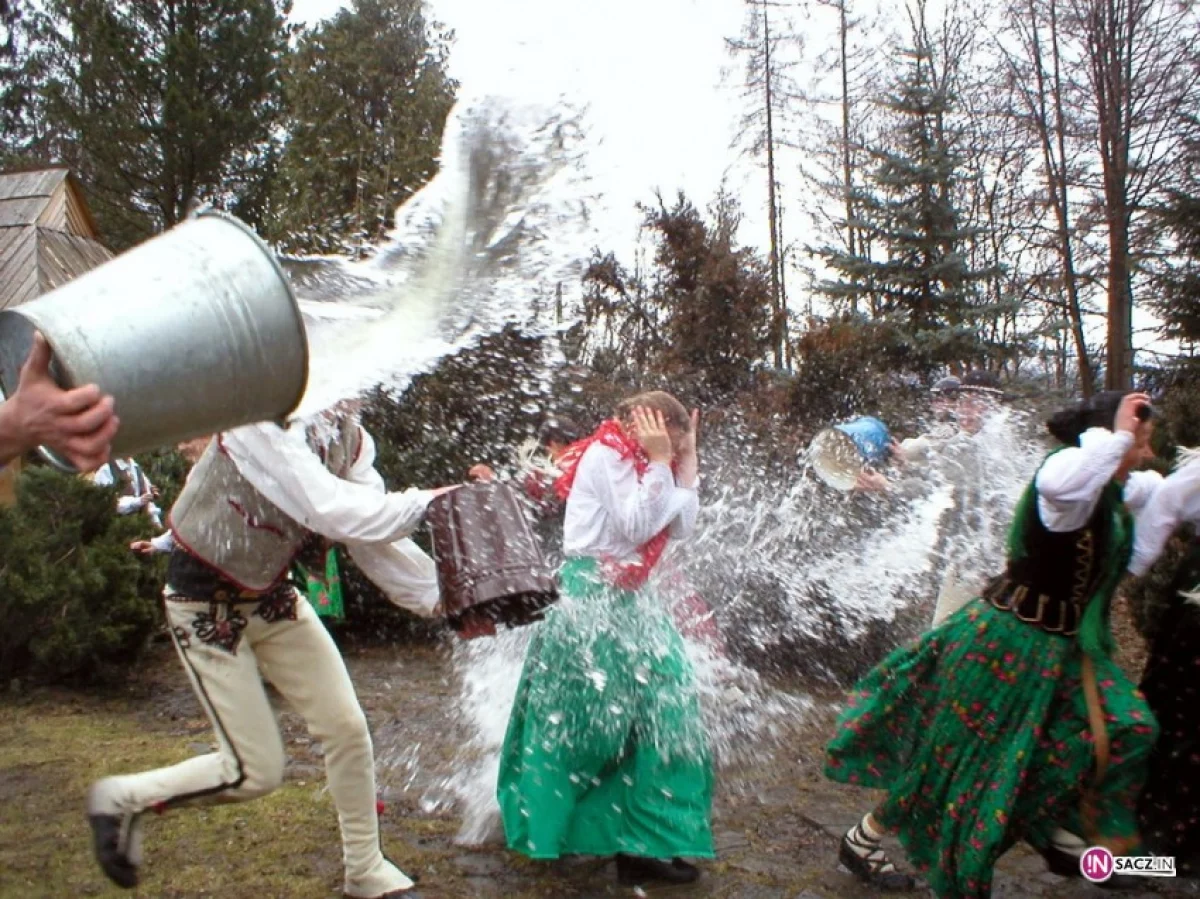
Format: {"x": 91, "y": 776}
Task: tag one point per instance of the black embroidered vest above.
{"x": 1050, "y": 585}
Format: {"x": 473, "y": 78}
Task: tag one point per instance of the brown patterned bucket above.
{"x": 490, "y": 566}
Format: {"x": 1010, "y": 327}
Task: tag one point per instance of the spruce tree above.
{"x": 367, "y": 96}
{"x": 158, "y": 104}
{"x": 918, "y": 276}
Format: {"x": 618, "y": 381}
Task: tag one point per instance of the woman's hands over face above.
{"x": 650, "y": 430}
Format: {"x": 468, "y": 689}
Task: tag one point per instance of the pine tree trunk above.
{"x": 843, "y": 29}
{"x": 777, "y": 330}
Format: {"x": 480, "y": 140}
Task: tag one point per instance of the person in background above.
{"x": 136, "y": 493}
{"x": 80, "y": 423}
{"x": 248, "y": 505}
{"x": 536, "y": 472}
{"x": 957, "y": 448}
{"x": 191, "y": 450}
{"x": 1169, "y": 808}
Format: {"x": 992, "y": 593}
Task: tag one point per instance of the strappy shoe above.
{"x": 874, "y": 868}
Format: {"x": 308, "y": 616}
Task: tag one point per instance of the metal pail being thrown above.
{"x": 838, "y": 454}
{"x": 195, "y": 331}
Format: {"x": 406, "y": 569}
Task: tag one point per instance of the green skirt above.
{"x": 979, "y": 734}
{"x": 324, "y": 589}
{"x": 606, "y": 751}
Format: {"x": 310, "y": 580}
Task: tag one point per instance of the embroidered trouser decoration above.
{"x": 300, "y": 659}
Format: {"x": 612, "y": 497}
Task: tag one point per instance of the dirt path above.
{"x": 776, "y": 822}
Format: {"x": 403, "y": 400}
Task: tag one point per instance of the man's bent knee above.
{"x": 261, "y": 776}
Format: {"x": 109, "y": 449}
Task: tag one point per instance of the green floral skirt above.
{"x": 606, "y": 751}
{"x": 979, "y": 734}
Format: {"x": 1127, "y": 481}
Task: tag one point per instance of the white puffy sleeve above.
{"x": 1139, "y": 489}
{"x": 280, "y": 465}
{"x": 405, "y": 573}
{"x": 637, "y": 509}
{"x": 1175, "y": 500}
{"x": 1070, "y": 482}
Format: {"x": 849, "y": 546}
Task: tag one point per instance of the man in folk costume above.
{"x": 606, "y": 752}
{"x": 248, "y": 506}
{"x": 970, "y": 538}
{"x": 137, "y": 494}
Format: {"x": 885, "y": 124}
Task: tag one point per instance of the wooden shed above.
{"x": 47, "y": 237}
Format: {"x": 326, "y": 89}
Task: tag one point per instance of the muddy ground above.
{"x": 777, "y": 821}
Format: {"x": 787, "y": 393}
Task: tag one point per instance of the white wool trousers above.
{"x": 224, "y": 647}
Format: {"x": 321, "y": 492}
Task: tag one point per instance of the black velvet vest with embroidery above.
{"x": 1060, "y": 571}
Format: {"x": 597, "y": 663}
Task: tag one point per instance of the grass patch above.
{"x": 283, "y": 845}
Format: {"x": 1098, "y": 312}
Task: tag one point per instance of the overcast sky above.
{"x": 651, "y": 71}
{"x": 663, "y": 93}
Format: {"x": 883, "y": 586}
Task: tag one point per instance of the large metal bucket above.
{"x": 192, "y": 332}
{"x": 838, "y": 454}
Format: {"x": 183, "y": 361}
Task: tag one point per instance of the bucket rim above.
{"x": 816, "y": 458}
{"x": 287, "y": 284}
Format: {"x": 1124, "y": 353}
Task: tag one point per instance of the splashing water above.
{"x": 502, "y": 224}
{"x": 805, "y": 583}
{"x": 813, "y": 580}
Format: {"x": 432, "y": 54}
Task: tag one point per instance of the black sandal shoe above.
{"x": 875, "y": 868}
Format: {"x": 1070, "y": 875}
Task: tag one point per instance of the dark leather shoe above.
{"x": 634, "y": 870}
{"x": 116, "y": 834}
{"x": 110, "y": 835}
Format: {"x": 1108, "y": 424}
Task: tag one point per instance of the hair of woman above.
{"x": 673, "y": 411}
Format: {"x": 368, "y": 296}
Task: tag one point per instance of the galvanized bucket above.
{"x": 838, "y": 454}
{"x": 192, "y": 332}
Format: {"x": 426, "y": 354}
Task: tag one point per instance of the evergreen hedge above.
{"x": 77, "y": 605}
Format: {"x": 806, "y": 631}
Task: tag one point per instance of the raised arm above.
{"x": 639, "y": 510}
{"x": 1078, "y": 475}
{"x": 406, "y": 574}
{"x": 280, "y": 465}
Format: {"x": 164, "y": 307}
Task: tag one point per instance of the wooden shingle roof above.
{"x": 47, "y": 234}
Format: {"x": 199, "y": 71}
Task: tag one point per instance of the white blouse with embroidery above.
{"x": 610, "y": 513}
